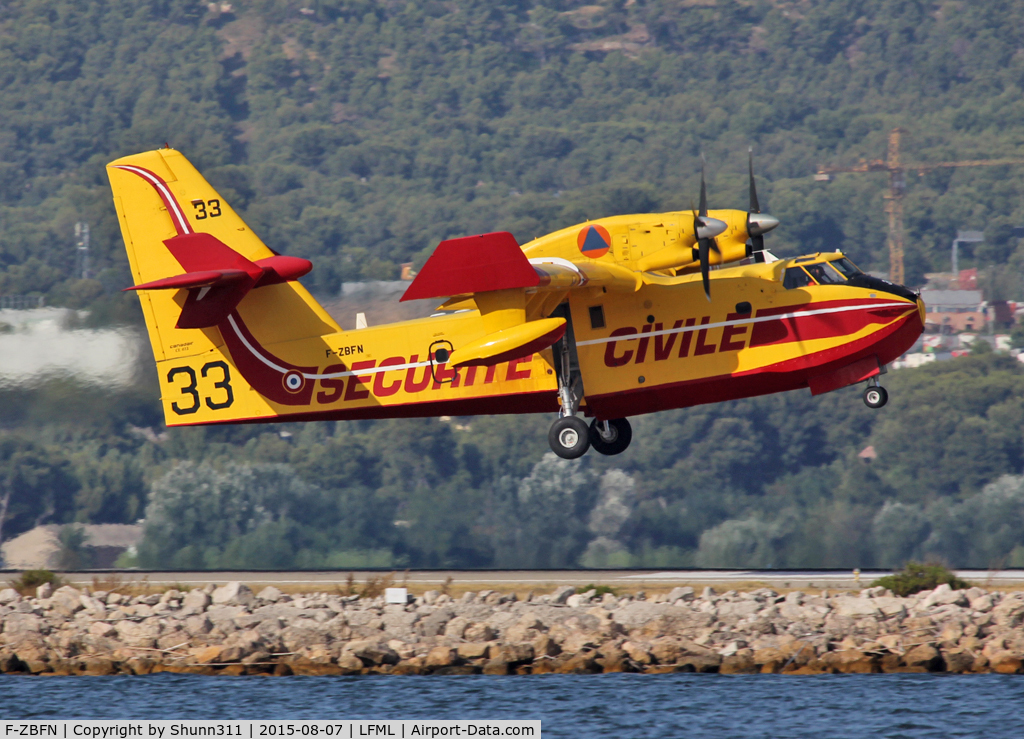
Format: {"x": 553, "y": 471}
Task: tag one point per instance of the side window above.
{"x": 824, "y": 275}
{"x": 796, "y": 277}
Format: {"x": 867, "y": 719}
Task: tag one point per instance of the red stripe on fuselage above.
{"x": 818, "y": 325}
{"x": 887, "y": 344}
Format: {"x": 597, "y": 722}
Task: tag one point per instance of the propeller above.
{"x": 758, "y": 223}
{"x": 705, "y": 229}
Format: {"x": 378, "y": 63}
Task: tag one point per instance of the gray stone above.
{"x": 233, "y": 594}
{"x": 15, "y": 623}
{"x": 562, "y": 594}
{"x": 684, "y": 593}
{"x": 9, "y": 595}
{"x": 66, "y": 601}
{"x": 851, "y": 607}
{"x": 372, "y": 653}
{"x": 44, "y": 591}
{"x": 435, "y": 623}
{"x": 195, "y": 601}
{"x": 269, "y": 593}
{"x": 430, "y": 597}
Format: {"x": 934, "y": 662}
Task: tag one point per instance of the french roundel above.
{"x": 293, "y": 381}
{"x": 594, "y": 241}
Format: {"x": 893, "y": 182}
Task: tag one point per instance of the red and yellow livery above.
{"x": 611, "y": 318}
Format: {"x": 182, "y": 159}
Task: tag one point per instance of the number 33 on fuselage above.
{"x": 608, "y": 319}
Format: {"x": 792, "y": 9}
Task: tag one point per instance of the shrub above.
{"x": 916, "y": 577}
{"x": 32, "y": 579}
{"x": 599, "y": 590}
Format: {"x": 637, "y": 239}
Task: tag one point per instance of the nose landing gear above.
{"x": 875, "y": 396}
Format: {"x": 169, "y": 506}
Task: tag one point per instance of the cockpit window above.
{"x": 824, "y": 275}
{"x": 845, "y": 266}
{"x": 795, "y": 277}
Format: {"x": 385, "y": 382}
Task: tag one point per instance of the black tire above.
{"x": 875, "y": 397}
{"x": 569, "y": 437}
{"x": 622, "y": 434}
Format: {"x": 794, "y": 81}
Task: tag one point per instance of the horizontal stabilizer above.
{"x": 510, "y": 343}
{"x": 218, "y": 277}
{"x": 473, "y": 264}
{"x": 206, "y": 278}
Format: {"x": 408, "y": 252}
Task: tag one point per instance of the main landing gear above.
{"x": 875, "y": 396}
{"x": 570, "y": 436}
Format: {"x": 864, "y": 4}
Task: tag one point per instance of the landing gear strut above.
{"x": 875, "y": 396}
{"x": 569, "y": 436}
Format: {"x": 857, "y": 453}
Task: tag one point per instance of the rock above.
{"x": 479, "y": 632}
{"x": 515, "y": 654}
{"x": 194, "y": 602}
{"x": 683, "y": 593}
{"x": 270, "y": 594}
{"x": 102, "y": 629}
{"x": 854, "y": 607}
{"x": 851, "y": 661}
{"x": 138, "y": 633}
{"x": 474, "y": 650}
{"x": 944, "y": 595}
{"x": 44, "y": 591}
{"x": 9, "y": 595}
{"x": 456, "y": 628}
{"x": 738, "y": 664}
{"x": 982, "y": 603}
{"x": 545, "y": 646}
{"x": 562, "y": 594}
{"x": 232, "y": 594}
{"x": 665, "y": 650}
{"x": 924, "y": 655}
{"x": 372, "y": 653}
{"x": 585, "y": 663}
{"x": 435, "y": 623}
{"x": 430, "y": 597}
{"x": 1006, "y": 663}
{"x": 21, "y": 623}
{"x": 707, "y": 593}
{"x": 349, "y": 662}
{"x": 958, "y": 660}
{"x": 66, "y": 601}
{"x": 441, "y": 657}
{"x": 496, "y": 667}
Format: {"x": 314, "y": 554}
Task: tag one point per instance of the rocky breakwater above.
{"x": 230, "y": 630}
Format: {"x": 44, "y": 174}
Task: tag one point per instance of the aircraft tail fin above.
{"x": 207, "y": 284}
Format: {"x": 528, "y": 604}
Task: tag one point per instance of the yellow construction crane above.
{"x": 897, "y": 187}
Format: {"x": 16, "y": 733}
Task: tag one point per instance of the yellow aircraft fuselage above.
{"x": 638, "y": 324}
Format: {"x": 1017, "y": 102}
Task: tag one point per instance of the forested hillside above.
{"x": 360, "y": 133}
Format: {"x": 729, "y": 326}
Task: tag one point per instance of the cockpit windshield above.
{"x": 824, "y": 275}
{"x": 846, "y": 267}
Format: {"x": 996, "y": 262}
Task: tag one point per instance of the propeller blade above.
{"x": 755, "y": 206}
{"x": 703, "y": 194}
{"x": 705, "y": 267}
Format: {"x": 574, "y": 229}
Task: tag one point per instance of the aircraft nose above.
{"x": 921, "y": 310}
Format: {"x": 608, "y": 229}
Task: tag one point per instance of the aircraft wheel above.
{"x": 875, "y": 396}
{"x": 569, "y": 437}
{"x": 621, "y": 433}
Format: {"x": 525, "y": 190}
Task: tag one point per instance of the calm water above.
{"x": 821, "y": 706}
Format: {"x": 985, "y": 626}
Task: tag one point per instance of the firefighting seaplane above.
{"x": 611, "y": 318}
